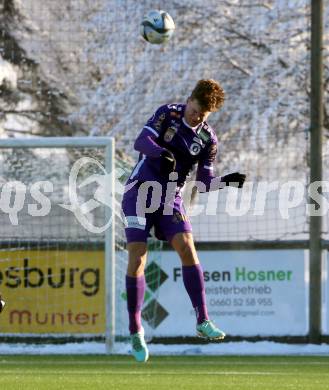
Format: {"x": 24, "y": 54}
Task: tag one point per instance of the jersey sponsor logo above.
{"x": 204, "y": 133}
{"x": 195, "y": 149}
{"x": 159, "y": 122}
{"x": 169, "y": 134}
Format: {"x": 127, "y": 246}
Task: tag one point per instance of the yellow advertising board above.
{"x": 52, "y": 291}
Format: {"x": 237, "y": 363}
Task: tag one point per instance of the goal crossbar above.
{"x": 56, "y": 142}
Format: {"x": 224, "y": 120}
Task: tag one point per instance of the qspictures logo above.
{"x": 107, "y": 188}
{"x": 104, "y": 195}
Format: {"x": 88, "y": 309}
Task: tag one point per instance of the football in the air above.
{"x": 157, "y": 27}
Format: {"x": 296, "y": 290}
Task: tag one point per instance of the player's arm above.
{"x": 146, "y": 142}
{"x": 205, "y": 173}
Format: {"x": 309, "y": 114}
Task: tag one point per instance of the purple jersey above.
{"x": 167, "y": 129}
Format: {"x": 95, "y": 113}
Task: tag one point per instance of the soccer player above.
{"x": 175, "y": 139}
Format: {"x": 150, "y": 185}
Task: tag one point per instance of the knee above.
{"x": 136, "y": 262}
{"x": 184, "y": 250}
{"x": 184, "y": 245}
{"x": 187, "y": 253}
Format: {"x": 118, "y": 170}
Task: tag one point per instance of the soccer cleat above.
{"x": 139, "y": 347}
{"x": 207, "y": 329}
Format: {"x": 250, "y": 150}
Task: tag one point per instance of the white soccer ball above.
{"x": 157, "y": 27}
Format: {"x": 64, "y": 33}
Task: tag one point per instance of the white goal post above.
{"x": 63, "y": 254}
{"x": 106, "y": 143}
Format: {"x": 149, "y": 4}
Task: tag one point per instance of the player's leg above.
{"x": 135, "y": 283}
{"x": 192, "y": 273}
{"x": 177, "y": 229}
{"x": 137, "y": 230}
{"x": 136, "y": 233}
{"x": 193, "y": 280}
{"x": 135, "y": 287}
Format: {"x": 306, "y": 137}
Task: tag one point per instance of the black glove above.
{"x": 167, "y": 162}
{"x": 233, "y": 179}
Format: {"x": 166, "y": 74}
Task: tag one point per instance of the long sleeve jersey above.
{"x": 167, "y": 129}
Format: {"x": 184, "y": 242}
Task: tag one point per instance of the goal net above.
{"x": 62, "y": 259}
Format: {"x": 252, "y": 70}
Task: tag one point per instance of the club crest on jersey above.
{"x": 195, "y": 149}
{"x": 169, "y": 134}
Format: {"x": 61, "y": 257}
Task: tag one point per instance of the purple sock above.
{"x": 194, "y": 284}
{"x": 135, "y": 288}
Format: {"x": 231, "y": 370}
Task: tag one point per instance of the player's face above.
{"x": 194, "y": 114}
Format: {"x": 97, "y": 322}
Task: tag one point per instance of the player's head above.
{"x": 207, "y": 96}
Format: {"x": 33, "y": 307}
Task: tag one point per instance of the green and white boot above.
{"x": 207, "y": 329}
{"x": 139, "y": 347}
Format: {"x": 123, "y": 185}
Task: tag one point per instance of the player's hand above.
{"x": 168, "y": 162}
{"x": 235, "y": 179}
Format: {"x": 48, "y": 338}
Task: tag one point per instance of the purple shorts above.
{"x": 168, "y": 219}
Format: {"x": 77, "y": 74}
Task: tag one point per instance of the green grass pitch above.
{"x": 163, "y": 372}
